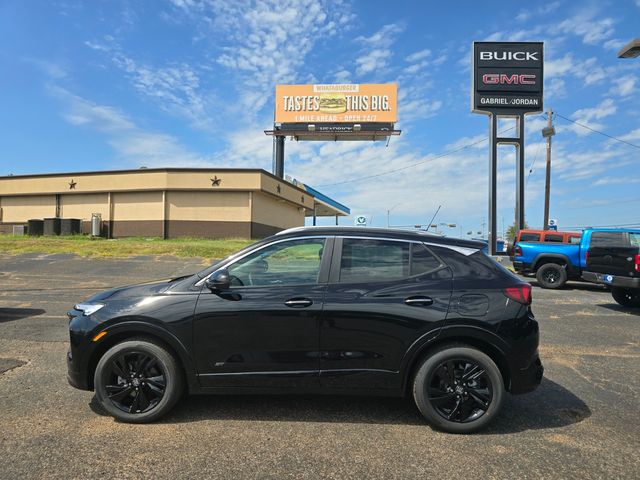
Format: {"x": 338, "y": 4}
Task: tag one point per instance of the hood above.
{"x": 132, "y": 291}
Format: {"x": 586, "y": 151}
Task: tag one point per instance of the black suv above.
{"x": 318, "y": 310}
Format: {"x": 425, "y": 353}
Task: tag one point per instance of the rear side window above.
{"x": 530, "y": 237}
{"x": 553, "y": 238}
{"x": 634, "y": 238}
{"x": 574, "y": 240}
{"x": 608, "y": 239}
{"x": 373, "y": 260}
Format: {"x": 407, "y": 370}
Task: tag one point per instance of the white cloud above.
{"x": 373, "y": 61}
{"x": 133, "y": 146}
{"x": 588, "y": 117}
{"x": 624, "y": 86}
{"x": 590, "y": 25}
{"x": 420, "y": 55}
{"x": 175, "y": 88}
{"x": 267, "y": 41}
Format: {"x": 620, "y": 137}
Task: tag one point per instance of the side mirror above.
{"x": 218, "y": 280}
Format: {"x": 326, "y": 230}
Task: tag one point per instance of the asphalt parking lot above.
{"x": 581, "y": 423}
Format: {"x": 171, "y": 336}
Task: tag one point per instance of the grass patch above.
{"x": 86, "y": 246}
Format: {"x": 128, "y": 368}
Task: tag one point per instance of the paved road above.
{"x": 581, "y": 423}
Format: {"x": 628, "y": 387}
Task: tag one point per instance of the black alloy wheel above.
{"x": 138, "y": 380}
{"x": 551, "y": 275}
{"x": 460, "y": 390}
{"x": 626, "y": 297}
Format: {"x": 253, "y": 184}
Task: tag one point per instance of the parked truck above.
{"x": 606, "y": 256}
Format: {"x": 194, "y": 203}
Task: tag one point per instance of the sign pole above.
{"x": 493, "y": 182}
{"x": 519, "y": 220}
{"x": 279, "y": 160}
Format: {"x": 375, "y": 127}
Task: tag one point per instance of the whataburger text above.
{"x": 336, "y": 103}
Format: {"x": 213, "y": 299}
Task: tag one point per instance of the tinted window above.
{"x": 373, "y": 260}
{"x": 422, "y": 260}
{"x": 574, "y": 240}
{"x": 530, "y": 237}
{"x": 608, "y": 239}
{"x": 553, "y": 238}
{"x": 287, "y": 263}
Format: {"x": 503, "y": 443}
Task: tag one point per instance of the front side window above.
{"x": 295, "y": 262}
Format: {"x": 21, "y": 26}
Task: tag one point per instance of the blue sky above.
{"x": 106, "y": 85}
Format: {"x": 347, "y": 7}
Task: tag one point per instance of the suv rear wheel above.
{"x": 138, "y": 381}
{"x": 551, "y": 275}
{"x": 458, "y": 389}
{"x": 626, "y": 297}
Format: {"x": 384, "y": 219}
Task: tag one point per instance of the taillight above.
{"x": 521, "y": 293}
{"x": 637, "y": 263}
{"x": 517, "y": 251}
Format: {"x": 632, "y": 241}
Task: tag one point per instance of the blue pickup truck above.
{"x": 606, "y": 256}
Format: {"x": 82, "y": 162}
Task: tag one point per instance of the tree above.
{"x": 511, "y": 231}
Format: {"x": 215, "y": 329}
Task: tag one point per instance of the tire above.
{"x": 551, "y": 275}
{"x": 627, "y": 297}
{"x": 154, "y": 389}
{"x": 474, "y": 406}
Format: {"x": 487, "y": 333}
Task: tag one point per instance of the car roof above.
{"x": 379, "y": 232}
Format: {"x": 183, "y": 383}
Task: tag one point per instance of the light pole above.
{"x": 389, "y": 212}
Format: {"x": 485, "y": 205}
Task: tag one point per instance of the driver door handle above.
{"x": 419, "y": 301}
{"x": 299, "y": 302}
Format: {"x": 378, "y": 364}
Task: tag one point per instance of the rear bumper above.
{"x": 519, "y": 267}
{"x": 527, "y": 379}
{"x": 616, "y": 280}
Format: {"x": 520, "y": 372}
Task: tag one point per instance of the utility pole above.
{"x": 548, "y": 133}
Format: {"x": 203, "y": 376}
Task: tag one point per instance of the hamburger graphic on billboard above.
{"x": 333, "y": 103}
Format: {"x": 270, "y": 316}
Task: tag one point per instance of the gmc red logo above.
{"x": 504, "y": 79}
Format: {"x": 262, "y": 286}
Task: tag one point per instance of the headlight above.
{"x": 88, "y": 308}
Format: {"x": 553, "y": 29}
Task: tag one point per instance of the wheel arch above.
{"x": 125, "y": 331}
{"x": 460, "y": 337}
{"x": 556, "y": 258}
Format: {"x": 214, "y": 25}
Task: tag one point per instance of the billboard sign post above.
{"x": 507, "y": 81}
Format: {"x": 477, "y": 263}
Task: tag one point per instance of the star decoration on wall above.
{"x": 215, "y": 181}
{"x": 72, "y": 185}
{"x": 278, "y": 189}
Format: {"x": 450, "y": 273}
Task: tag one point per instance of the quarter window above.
{"x": 286, "y": 263}
{"x": 574, "y": 239}
{"x": 422, "y": 260}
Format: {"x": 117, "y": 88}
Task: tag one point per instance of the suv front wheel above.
{"x": 458, "y": 389}
{"x": 138, "y": 381}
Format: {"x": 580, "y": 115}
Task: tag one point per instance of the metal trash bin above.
{"x": 70, "y": 226}
{"x": 35, "y": 227}
{"x": 52, "y": 226}
{"x": 96, "y": 224}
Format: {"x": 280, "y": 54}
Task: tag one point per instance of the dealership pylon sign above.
{"x": 507, "y": 77}
{"x": 507, "y": 81}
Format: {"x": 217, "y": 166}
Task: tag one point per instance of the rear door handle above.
{"x": 418, "y": 301}
{"x": 299, "y": 302}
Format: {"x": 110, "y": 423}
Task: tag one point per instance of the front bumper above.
{"x": 616, "y": 280}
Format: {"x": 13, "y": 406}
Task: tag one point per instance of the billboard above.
{"x": 507, "y": 77}
{"x": 341, "y": 103}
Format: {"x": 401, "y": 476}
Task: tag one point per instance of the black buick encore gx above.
{"x": 333, "y": 310}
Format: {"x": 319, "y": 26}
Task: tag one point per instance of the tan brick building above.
{"x": 165, "y": 202}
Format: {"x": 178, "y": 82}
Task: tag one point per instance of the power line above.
{"x": 598, "y": 131}
{"x": 395, "y": 170}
